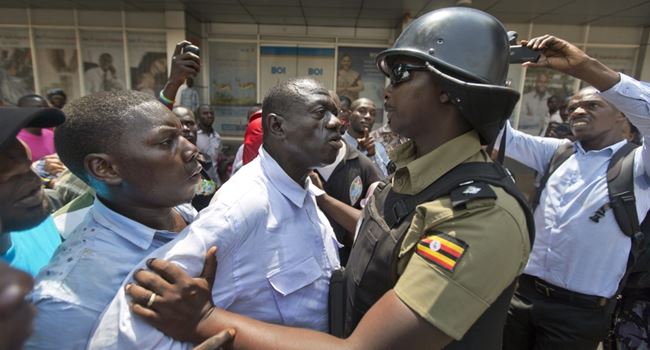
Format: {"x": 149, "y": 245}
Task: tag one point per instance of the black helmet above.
{"x": 468, "y": 51}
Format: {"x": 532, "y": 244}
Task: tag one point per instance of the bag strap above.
{"x": 620, "y": 184}
{"x": 561, "y": 154}
{"x": 463, "y": 174}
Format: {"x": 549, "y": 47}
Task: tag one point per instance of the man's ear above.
{"x": 101, "y": 167}
{"x": 276, "y": 125}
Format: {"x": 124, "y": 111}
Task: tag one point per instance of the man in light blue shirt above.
{"x": 129, "y": 148}
{"x": 276, "y": 249}
{"x": 362, "y": 119}
{"x": 565, "y": 296}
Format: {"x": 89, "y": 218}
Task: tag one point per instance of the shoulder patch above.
{"x": 442, "y": 250}
{"x": 471, "y": 191}
{"x": 356, "y": 189}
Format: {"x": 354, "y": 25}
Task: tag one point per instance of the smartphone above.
{"x": 193, "y": 49}
{"x": 521, "y": 54}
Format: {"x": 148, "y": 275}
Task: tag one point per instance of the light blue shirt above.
{"x": 380, "y": 159}
{"x": 570, "y": 250}
{"x": 32, "y": 249}
{"x": 276, "y": 252}
{"x": 85, "y": 272}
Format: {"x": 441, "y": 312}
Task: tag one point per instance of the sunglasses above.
{"x": 400, "y": 73}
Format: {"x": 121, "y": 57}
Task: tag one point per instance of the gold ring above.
{"x": 152, "y": 298}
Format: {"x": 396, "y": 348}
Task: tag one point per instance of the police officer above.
{"x": 426, "y": 271}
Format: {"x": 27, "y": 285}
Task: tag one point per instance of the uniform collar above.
{"x": 282, "y": 181}
{"x": 132, "y": 231}
{"x": 415, "y": 174}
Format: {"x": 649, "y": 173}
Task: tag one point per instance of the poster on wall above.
{"x": 281, "y": 63}
{"x": 539, "y": 86}
{"x": 233, "y": 84}
{"x": 358, "y": 76}
{"x": 103, "y": 61}
{"x": 147, "y": 61}
{"x": 16, "y": 72}
{"x": 56, "y": 56}
{"x": 620, "y": 59}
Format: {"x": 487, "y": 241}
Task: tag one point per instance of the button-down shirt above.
{"x": 570, "y": 250}
{"x": 276, "y": 253}
{"x": 86, "y": 271}
{"x": 210, "y": 145}
{"x": 380, "y": 159}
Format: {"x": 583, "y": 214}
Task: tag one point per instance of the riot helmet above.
{"x": 468, "y": 52}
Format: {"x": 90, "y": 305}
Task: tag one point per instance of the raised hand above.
{"x": 367, "y": 143}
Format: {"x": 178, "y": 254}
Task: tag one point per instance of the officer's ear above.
{"x": 444, "y": 97}
{"x": 276, "y": 125}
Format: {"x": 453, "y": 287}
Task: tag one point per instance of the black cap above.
{"x": 13, "y": 119}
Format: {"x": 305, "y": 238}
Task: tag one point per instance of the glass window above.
{"x": 56, "y": 56}
{"x": 16, "y": 72}
{"x": 233, "y": 84}
{"x": 147, "y": 61}
{"x": 103, "y": 61}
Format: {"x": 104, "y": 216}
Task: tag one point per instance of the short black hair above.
{"x": 24, "y": 101}
{"x": 96, "y": 124}
{"x": 345, "y": 101}
{"x": 282, "y": 98}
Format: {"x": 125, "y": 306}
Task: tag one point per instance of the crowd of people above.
{"x": 329, "y": 234}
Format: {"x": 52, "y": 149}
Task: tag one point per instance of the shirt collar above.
{"x": 415, "y": 174}
{"x": 282, "y": 181}
{"x": 131, "y": 230}
{"x": 611, "y": 149}
{"x": 350, "y": 140}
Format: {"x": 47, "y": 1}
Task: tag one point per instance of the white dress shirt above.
{"x": 276, "y": 251}
{"x": 570, "y": 250}
{"x": 85, "y": 272}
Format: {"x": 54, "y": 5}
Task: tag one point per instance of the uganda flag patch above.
{"x": 442, "y": 250}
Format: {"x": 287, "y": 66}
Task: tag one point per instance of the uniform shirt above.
{"x": 490, "y": 236}
{"x": 380, "y": 159}
{"x": 571, "y": 251}
{"x": 86, "y": 271}
{"x": 32, "y": 249}
{"x": 276, "y": 253}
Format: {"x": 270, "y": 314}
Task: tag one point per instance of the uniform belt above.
{"x": 559, "y": 293}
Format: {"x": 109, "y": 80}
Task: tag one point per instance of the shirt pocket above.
{"x": 300, "y": 298}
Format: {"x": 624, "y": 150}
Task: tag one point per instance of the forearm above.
{"x": 596, "y": 74}
{"x": 253, "y": 334}
{"x": 345, "y": 215}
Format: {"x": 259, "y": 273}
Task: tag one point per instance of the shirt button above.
{"x": 548, "y": 250}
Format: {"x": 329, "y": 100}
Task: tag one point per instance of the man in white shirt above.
{"x": 207, "y": 139}
{"x": 276, "y": 249}
{"x": 566, "y": 294}
{"x": 534, "y": 110}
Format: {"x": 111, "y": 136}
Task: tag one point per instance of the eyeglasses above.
{"x": 400, "y": 73}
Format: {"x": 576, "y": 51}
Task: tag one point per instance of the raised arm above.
{"x": 183, "y": 65}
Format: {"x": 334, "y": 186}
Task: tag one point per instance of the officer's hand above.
{"x": 367, "y": 143}
{"x": 16, "y": 313}
{"x": 181, "y": 301}
{"x": 557, "y": 54}
{"x": 183, "y": 65}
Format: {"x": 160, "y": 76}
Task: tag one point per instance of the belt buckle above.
{"x": 545, "y": 290}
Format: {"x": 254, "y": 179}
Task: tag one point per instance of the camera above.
{"x": 521, "y": 54}
{"x": 193, "y": 49}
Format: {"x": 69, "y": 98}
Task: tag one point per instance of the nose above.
{"x": 333, "y": 122}
{"x": 189, "y": 152}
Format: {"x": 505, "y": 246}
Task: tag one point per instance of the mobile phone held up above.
{"x": 521, "y": 54}
{"x": 194, "y": 49}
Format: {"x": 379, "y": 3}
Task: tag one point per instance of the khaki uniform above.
{"x": 454, "y": 263}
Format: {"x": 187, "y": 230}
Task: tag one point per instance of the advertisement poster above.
{"x": 540, "y": 84}
{"x": 56, "y": 56}
{"x": 233, "y": 85}
{"x": 281, "y": 63}
{"x": 16, "y": 73}
{"x": 103, "y": 61}
{"x": 147, "y": 61}
{"x": 358, "y": 77}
